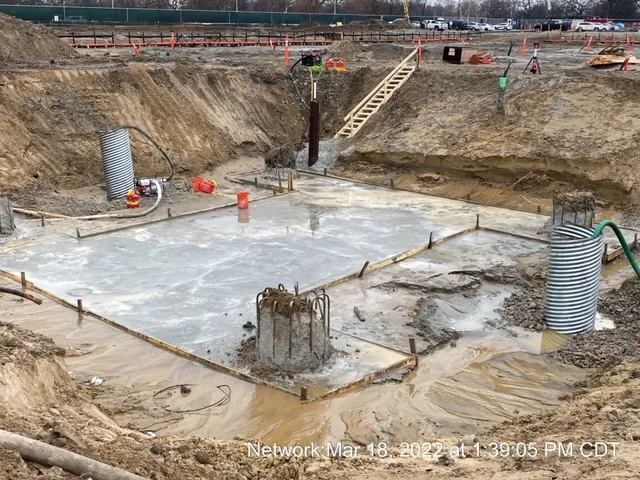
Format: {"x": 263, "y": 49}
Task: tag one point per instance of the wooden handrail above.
{"x": 381, "y": 84}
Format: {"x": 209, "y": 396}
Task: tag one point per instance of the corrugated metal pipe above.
{"x": 117, "y": 162}
{"x": 115, "y": 146}
{"x": 573, "y": 279}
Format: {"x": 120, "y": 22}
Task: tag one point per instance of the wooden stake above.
{"x": 303, "y": 393}
{"x": 23, "y": 280}
{"x": 80, "y": 309}
{"x": 364, "y": 269}
{"x": 412, "y": 345}
{"x": 169, "y": 212}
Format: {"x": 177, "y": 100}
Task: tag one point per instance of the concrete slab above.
{"x": 192, "y": 282}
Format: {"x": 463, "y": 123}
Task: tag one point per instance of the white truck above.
{"x": 437, "y": 24}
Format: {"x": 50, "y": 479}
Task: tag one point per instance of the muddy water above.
{"x": 461, "y": 389}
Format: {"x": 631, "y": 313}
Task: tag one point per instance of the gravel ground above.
{"x": 79, "y": 205}
{"x": 609, "y": 347}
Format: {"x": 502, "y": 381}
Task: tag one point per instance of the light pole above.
{"x": 335, "y": 3}
{"x": 236, "y": 5}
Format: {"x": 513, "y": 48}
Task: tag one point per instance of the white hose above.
{"x": 100, "y": 215}
{"x": 131, "y": 215}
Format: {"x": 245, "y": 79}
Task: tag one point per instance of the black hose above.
{"x": 226, "y": 398}
{"x": 150, "y": 138}
{"x": 507, "y": 69}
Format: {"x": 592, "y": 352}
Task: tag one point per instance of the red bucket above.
{"x": 243, "y": 200}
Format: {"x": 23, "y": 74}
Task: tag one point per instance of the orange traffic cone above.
{"x": 523, "y": 52}
{"x": 588, "y": 47}
{"x": 419, "y": 51}
{"x": 625, "y": 65}
{"x": 173, "y": 40}
{"x": 629, "y": 45}
{"x": 286, "y": 50}
{"x": 136, "y": 49}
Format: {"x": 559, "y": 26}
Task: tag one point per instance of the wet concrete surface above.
{"x": 192, "y": 282}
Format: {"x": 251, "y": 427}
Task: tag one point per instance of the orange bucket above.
{"x": 197, "y": 184}
{"x": 207, "y": 187}
{"x": 243, "y": 199}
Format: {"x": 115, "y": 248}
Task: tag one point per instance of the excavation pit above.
{"x": 191, "y": 282}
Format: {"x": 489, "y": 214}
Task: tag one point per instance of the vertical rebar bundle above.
{"x": 293, "y": 330}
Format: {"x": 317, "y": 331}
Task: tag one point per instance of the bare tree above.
{"x": 576, "y": 8}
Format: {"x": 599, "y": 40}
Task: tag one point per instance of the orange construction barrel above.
{"x": 243, "y": 199}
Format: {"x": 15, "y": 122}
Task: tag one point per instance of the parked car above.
{"x": 590, "y": 27}
{"x": 621, "y": 26}
{"x": 459, "y": 25}
{"x": 612, "y": 27}
{"x": 484, "y": 27}
{"x": 438, "y": 24}
{"x": 548, "y": 25}
{"x": 503, "y": 26}
{"x": 397, "y": 20}
{"x": 415, "y": 24}
{"x": 472, "y": 26}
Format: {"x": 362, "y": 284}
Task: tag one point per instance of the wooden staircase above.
{"x": 357, "y": 117}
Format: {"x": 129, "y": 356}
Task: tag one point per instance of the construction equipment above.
{"x": 612, "y": 56}
{"x": 311, "y": 58}
{"x": 405, "y": 4}
{"x": 534, "y": 64}
{"x": 382, "y": 92}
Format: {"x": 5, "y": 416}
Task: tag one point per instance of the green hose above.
{"x": 623, "y": 242}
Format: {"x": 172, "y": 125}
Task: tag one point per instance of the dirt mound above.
{"x": 344, "y": 49}
{"x": 388, "y": 51}
{"x": 419, "y": 129}
{"x": 202, "y": 116}
{"x": 25, "y": 41}
{"x": 603, "y": 407}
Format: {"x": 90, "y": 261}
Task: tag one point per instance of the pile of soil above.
{"x": 498, "y": 149}
{"x": 525, "y": 307}
{"x": 604, "y": 407}
{"x": 609, "y": 347}
{"x": 25, "y": 41}
{"x": 389, "y": 51}
{"x": 53, "y": 141}
{"x": 344, "y": 50}
{"x": 17, "y": 344}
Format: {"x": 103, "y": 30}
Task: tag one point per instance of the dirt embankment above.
{"x": 25, "y": 41}
{"x": 202, "y": 116}
{"x": 575, "y": 128}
